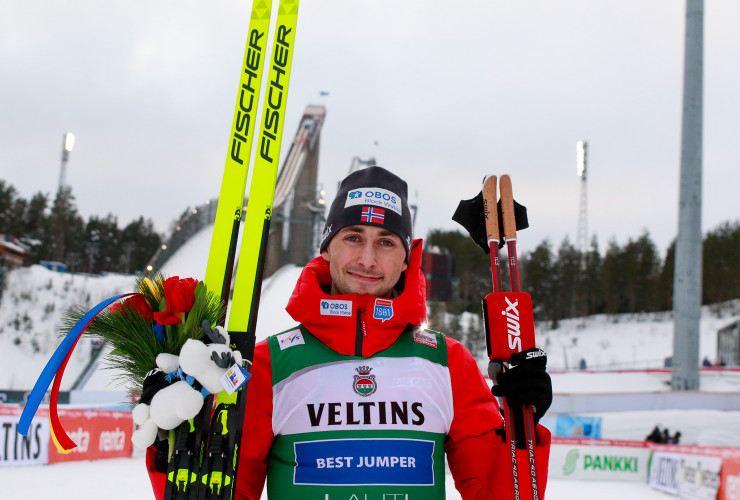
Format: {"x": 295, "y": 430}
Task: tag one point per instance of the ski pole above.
{"x": 490, "y": 212}
{"x": 509, "y": 223}
{"x": 508, "y": 317}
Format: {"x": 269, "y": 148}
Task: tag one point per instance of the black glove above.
{"x": 526, "y": 383}
{"x": 162, "y": 454}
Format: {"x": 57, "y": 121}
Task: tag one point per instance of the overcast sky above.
{"x": 450, "y": 91}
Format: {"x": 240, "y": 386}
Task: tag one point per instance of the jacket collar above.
{"x": 358, "y": 325}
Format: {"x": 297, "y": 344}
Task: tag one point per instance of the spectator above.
{"x": 675, "y": 439}
{"x": 665, "y": 436}
{"x": 655, "y": 436}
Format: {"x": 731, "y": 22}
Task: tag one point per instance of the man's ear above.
{"x": 325, "y": 254}
{"x": 405, "y": 266}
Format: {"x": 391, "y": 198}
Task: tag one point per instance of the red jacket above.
{"x": 477, "y": 456}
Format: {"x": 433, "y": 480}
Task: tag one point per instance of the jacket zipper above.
{"x": 359, "y": 332}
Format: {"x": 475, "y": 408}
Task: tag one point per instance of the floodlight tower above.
{"x": 60, "y": 236}
{"x": 687, "y": 279}
{"x": 67, "y": 145}
{"x": 582, "y": 240}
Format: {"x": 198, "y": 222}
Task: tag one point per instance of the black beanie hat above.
{"x": 372, "y": 196}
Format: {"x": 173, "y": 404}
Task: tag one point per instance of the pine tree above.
{"x": 615, "y": 279}
{"x": 721, "y": 268}
{"x": 645, "y": 274}
{"x": 537, "y": 277}
{"x": 590, "y": 287}
{"x": 64, "y": 227}
{"x": 36, "y": 222}
{"x": 631, "y": 276}
{"x": 567, "y": 270}
{"x": 665, "y": 280}
{"x": 18, "y": 213}
{"x": 8, "y": 196}
{"x": 139, "y": 242}
{"x": 36, "y": 214}
{"x": 102, "y": 246}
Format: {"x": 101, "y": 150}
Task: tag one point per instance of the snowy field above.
{"x": 126, "y": 478}
{"x": 29, "y": 315}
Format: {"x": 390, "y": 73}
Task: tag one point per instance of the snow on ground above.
{"x": 126, "y": 478}
{"x": 614, "y": 382}
{"x": 702, "y": 427}
{"x": 627, "y": 340}
{"x": 30, "y": 313}
{"x": 191, "y": 259}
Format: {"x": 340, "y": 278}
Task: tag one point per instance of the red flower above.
{"x": 135, "y": 303}
{"x": 179, "y": 295}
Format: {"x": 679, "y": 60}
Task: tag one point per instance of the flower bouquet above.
{"x": 158, "y": 319}
{"x": 164, "y": 341}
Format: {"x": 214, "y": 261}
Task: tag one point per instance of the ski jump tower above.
{"x": 298, "y": 208}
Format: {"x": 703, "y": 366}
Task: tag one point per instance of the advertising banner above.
{"x": 688, "y": 476}
{"x": 578, "y": 427}
{"x": 729, "y": 488}
{"x": 97, "y": 433}
{"x": 664, "y": 472}
{"x": 23, "y": 450}
{"x": 20, "y": 397}
{"x": 598, "y": 459}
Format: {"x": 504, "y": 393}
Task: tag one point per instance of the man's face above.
{"x": 365, "y": 260}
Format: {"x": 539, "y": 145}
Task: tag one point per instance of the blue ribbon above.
{"x": 159, "y": 332}
{"x": 47, "y": 376}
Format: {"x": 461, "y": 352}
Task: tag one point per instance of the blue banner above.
{"x": 365, "y": 461}
{"x": 578, "y": 427}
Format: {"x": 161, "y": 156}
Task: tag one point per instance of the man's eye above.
{"x": 352, "y": 237}
{"x": 387, "y": 243}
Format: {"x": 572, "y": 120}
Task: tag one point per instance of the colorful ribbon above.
{"x": 54, "y": 369}
{"x": 62, "y": 441}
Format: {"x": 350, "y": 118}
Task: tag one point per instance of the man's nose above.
{"x": 366, "y": 256}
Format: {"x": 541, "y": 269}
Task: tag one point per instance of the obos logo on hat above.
{"x": 375, "y": 196}
{"x": 372, "y": 196}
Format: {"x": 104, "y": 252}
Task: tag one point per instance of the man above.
{"x": 360, "y": 401}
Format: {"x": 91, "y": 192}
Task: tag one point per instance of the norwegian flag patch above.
{"x": 373, "y": 214}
